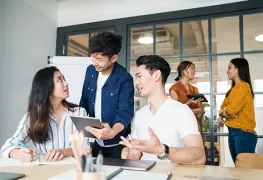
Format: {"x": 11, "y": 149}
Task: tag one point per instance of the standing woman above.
{"x": 237, "y": 109}
{"x": 178, "y": 91}
{"x": 46, "y": 126}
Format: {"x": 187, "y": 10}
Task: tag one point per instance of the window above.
{"x": 210, "y": 44}
{"x": 195, "y": 37}
{"x": 78, "y": 44}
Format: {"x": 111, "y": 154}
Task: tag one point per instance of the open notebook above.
{"x": 5, "y": 162}
{"x": 121, "y": 175}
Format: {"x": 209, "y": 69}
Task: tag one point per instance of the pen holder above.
{"x": 90, "y": 175}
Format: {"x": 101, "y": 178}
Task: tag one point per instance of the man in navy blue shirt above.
{"x": 108, "y": 94}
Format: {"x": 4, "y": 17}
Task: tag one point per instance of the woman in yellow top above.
{"x": 238, "y": 109}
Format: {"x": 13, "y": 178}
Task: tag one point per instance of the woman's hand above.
{"x": 24, "y": 154}
{"x": 192, "y": 101}
{"x": 54, "y": 155}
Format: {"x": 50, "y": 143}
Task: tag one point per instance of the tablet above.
{"x": 197, "y": 96}
{"x": 82, "y": 122}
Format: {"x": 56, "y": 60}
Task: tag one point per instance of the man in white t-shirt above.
{"x": 164, "y": 129}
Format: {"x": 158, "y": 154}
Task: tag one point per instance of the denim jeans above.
{"x": 241, "y": 142}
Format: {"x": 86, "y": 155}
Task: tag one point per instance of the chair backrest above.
{"x": 249, "y": 160}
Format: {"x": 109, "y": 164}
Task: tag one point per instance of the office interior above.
{"x": 208, "y": 33}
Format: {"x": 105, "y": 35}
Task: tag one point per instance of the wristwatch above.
{"x": 165, "y": 153}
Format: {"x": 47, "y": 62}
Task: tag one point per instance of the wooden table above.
{"x": 43, "y": 172}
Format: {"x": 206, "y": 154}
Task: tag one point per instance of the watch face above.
{"x": 166, "y": 149}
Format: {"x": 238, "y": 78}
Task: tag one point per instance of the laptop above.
{"x": 139, "y": 165}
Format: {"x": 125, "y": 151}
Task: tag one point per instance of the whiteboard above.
{"x": 74, "y": 70}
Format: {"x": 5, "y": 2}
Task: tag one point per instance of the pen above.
{"x": 22, "y": 144}
{"x": 90, "y": 165}
{"x": 99, "y": 162}
{"x": 83, "y": 150}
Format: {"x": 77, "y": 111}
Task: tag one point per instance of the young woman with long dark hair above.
{"x": 237, "y": 109}
{"x": 46, "y": 126}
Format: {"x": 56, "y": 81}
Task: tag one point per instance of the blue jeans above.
{"x": 241, "y": 142}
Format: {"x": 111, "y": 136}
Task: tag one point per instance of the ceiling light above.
{"x": 146, "y": 38}
{"x": 259, "y": 38}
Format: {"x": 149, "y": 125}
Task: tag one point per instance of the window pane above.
{"x": 201, "y": 80}
{"x": 225, "y": 35}
{"x": 204, "y": 119}
{"x": 133, "y": 72}
{"x": 255, "y": 67}
{"x": 141, "y": 41}
{"x": 207, "y": 146}
{"x": 221, "y": 84}
{"x": 195, "y": 37}
{"x": 78, "y": 45}
{"x": 170, "y": 81}
{"x": 139, "y": 102}
{"x": 167, "y": 40}
{"x": 252, "y": 28}
{"x": 218, "y": 127}
{"x": 258, "y": 102}
{"x": 222, "y": 152}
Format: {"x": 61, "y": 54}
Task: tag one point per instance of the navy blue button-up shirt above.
{"x": 117, "y": 99}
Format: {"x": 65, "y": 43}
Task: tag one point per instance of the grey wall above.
{"x": 2, "y": 7}
{"x": 30, "y": 36}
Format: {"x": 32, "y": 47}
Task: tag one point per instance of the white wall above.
{"x": 84, "y": 11}
{"x": 29, "y": 37}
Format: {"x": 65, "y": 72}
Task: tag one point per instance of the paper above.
{"x": 69, "y": 175}
{"x": 65, "y": 160}
{"x": 8, "y": 162}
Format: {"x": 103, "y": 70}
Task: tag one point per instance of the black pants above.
{"x": 107, "y": 152}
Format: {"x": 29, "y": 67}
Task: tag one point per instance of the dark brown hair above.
{"x": 153, "y": 63}
{"x": 39, "y": 106}
{"x": 243, "y": 72}
{"x": 181, "y": 67}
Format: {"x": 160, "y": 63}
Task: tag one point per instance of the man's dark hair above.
{"x": 106, "y": 43}
{"x": 153, "y": 63}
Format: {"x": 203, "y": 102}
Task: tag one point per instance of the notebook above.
{"x": 139, "y": 165}
{"x": 9, "y": 162}
{"x": 111, "y": 173}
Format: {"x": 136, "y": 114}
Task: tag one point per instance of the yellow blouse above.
{"x": 240, "y": 101}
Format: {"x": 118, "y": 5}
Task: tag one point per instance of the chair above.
{"x": 249, "y": 160}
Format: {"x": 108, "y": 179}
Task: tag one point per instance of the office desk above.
{"x": 43, "y": 172}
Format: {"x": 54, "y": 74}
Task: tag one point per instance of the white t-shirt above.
{"x": 97, "y": 108}
{"x": 171, "y": 123}
{"x": 100, "y": 83}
